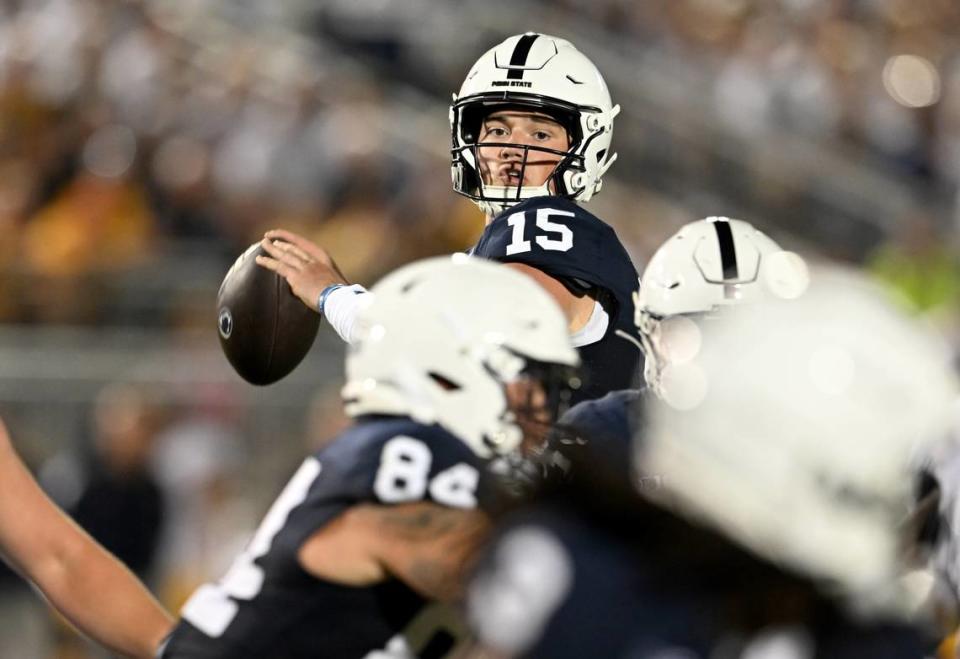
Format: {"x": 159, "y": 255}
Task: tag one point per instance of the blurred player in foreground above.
{"x": 84, "y": 582}
{"x": 385, "y": 518}
{"x": 775, "y": 489}
{"x": 531, "y": 131}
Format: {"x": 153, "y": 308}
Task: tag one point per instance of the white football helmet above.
{"x": 440, "y": 339}
{"x": 801, "y": 446}
{"x": 707, "y": 265}
{"x": 540, "y": 73}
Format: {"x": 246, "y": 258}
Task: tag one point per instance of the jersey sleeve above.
{"x": 559, "y": 237}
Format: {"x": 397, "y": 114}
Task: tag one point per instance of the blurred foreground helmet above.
{"x": 707, "y": 265}
{"x": 801, "y": 445}
{"x": 440, "y": 340}
{"x": 534, "y": 72}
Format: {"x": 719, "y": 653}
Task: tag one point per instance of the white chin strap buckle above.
{"x": 499, "y": 198}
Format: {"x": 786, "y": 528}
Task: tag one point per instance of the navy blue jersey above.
{"x": 560, "y": 238}
{"x": 268, "y": 606}
{"x": 558, "y": 581}
{"x": 556, "y": 584}
{"x": 599, "y": 432}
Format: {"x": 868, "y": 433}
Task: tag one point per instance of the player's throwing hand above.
{"x": 306, "y": 266}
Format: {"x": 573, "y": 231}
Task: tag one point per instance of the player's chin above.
{"x": 510, "y": 181}
{"x": 535, "y": 432}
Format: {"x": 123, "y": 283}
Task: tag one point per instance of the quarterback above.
{"x": 531, "y": 130}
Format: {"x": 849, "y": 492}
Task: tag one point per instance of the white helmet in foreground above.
{"x": 535, "y": 72}
{"x": 801, "y": 446}
{"x": 442, "y": 338}
{"x": 707, "y": 265}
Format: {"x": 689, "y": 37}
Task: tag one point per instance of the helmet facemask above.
{"x": 495, "y": 199}
{"x": 535, "y": 394}
{"x": 538, "y": 397}
{"x": 568, "y": 179}
{"x": 653, "y": 360}
{"x": 669, "y": 344}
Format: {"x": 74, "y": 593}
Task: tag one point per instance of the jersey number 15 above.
{"x": 555, "y": 237}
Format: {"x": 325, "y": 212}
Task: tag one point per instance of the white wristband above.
{"x": 340, "y": 309}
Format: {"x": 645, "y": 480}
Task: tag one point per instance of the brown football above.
{"x": 265, "y": 330}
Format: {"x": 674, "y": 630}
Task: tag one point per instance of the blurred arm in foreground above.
{"x": 83, "y": 581}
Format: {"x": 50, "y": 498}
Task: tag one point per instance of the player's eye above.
{"x": 542, "y": 135}
{"x": 494, "y": 131}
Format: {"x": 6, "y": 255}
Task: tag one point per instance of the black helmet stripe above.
{"x": 519, "y": 57}
{"x": 728, "y": 253}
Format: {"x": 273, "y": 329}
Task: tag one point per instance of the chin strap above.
{"x": 652, "y": 363}
{"x": 506, "y": 197}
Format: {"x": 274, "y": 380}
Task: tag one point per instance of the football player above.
{"x": 776, "y": 525}
{"x": 531, "y": 129}
{"x": 383, "y": 520}
{"x": 705, "y": 267}
{"x": 84, "y": 582}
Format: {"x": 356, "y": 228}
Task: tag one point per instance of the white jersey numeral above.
{"x": 556, "y": 237}
{"x": 532, "y": 567}
{"x": 456, "y": 487}
{"x": 404, "y": 467}
{"x": 404, "y": 475}
{"x": 213, "y": 607}
{"x": 517, "y": 244}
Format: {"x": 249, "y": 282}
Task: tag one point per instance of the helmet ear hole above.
{"x": 471, "y": 121}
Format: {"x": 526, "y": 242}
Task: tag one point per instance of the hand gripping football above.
{"x": 265, "y": 330}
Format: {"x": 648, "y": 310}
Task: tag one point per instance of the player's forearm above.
{"x": 102, "y": 598}
{"x": 83, "y": 581}
{"x": 431, "y": 548}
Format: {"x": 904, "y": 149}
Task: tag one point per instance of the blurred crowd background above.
{"x": 144, "y": 145}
